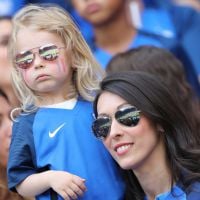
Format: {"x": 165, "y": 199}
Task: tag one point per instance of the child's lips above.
{"x": 42, "y": 77}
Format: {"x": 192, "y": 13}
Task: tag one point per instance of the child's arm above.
{"x": 67, "y": 185}
{"x": 23, "y": 173}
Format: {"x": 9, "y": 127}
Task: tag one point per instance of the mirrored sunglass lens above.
{"x": 49, "y": 53}
{"x": 128, "y": 117}
{"x": 101, "y": 127}
{"x": 24, "y": 60}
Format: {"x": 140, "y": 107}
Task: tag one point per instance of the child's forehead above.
{"x": 28, "y": 38}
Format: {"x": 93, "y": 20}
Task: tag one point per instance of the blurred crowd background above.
{"x": 109, "y": 27}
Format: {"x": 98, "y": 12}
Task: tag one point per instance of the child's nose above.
{"x": 38, "y": 61}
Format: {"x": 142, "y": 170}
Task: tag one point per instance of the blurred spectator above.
{"x": 186, "y": 20}
{"x": 5, "y": 65}
{"x": 177, "y": 27}
{"x": 108, "y": 18}
{"x": 5, "y": 137}
{"x": 5, "y": 128}
{"x": 174, "y": 28}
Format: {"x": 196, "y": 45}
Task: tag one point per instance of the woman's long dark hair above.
{"x": 150, "y": 95}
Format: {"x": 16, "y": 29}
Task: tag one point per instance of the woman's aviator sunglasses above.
{"x": 126, "y": 115}
{"x": 49, "y": 52}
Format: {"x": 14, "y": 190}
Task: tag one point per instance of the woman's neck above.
{"x": 154, "y": 175}
{"x": 155, "y": 182}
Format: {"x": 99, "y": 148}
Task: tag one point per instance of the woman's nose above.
{"x": 116, "y": 130}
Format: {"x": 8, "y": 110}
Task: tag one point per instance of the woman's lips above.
{"x": 122, "y": 149}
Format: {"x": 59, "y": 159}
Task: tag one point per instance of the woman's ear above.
{"x": 160, "y": 128}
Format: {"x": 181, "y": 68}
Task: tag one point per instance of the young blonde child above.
{"x": 53, "y": 154}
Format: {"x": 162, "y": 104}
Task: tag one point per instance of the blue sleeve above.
{"x": 22, "y": 161}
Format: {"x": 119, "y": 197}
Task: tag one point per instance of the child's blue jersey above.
{"x": 61, "y": 139}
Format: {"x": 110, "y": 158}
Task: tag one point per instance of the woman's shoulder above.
{"x": 194, "y": 191}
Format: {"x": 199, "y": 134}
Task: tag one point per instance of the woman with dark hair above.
{"x": 149, "y": 135}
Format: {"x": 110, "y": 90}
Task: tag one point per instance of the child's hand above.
{"x": 67, "y": 185}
